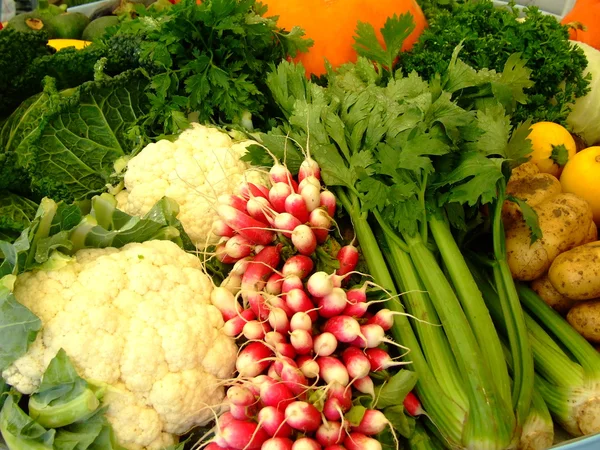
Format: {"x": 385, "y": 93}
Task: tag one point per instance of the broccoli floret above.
{"x": 17, "y": 51}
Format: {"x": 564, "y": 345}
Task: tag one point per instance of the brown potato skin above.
{"x": 565, "y": 223}
{"x": 592, "y": 234}
{"x": 527, "y": 184}
{"x": 551, "y": 296}
{"x": 585, "y": 318}
{"x": 576, "y": 273}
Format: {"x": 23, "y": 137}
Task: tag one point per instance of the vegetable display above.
{"x": 243, "y": 225}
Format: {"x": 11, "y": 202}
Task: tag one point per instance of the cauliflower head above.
{"x": 202, "y": 164}
{"x": 140, "y": 319}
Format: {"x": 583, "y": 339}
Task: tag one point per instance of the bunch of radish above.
{"x": 308, "y": 345}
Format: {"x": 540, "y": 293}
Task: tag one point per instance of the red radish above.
{"x": 302, "y": 341}
{"x": 342, "y": 393}
{"x": 274, "y": 301}
{"x": 285, "y": 349}
{"x": 257, "y": 273}
{"x": 308, "y": 366}
{"x": 277, "y": 395}
{"x": 251, "y": 190}
{"x": 241, "y": 412}
{"x": 312, "y": 197}
{"x": 274, "y": 284}
{"x": 294, "y": 379}
{"x": 358, "y": 441}
{"x": 384, "y": 318}
{"x": 301, "y": 321}
{"x": 224, "y": 419}
{"x": 225, "y": 302}
{"x": 373, "y": 422}
{"x": 309, "y": 180}
{"x": 232, "y": 283}
{"x": 253, "y": 359}
{"x": 309, "y": 167}
{"x": 303, "y": 416}
{"x": 298, "y": 301}
{"x": 277, "y": 443}
{"x": 319, "y": 284}
{"x": 335, "y": 447}
{"x": 357, "y": 364}
{"x": 345, "y": 328}
{"x": 372, "y": 336}
{"x": 381, "y": 360}
{"x": 238, "y": 247}
{"x": 240, "y": 267}
{"x": 240, "y": 396}
{"x": 413, "y": 405}
{"x": 234, "y": 201}
{"x": 272, "y": 421}
{"x": 245, "y": 225}
{"x": 274, "y": 337}
{"x": 365, "y": 385}
{"x": 222, "y": 255}
{"x": 286, "y": 223}
{"x": 298, "y": 265}
{"x": 282, "y": 362}
{"x": 332, "y": 409}
{"x": 320, "y": 223}
{"x": 330, "y": 433}
{"x": 272, "y": 373}
{"x": 291, "y": 282}
{"x": 258, "y": 208}
{"x": 255, "y": 383}
{"x": 277, "y": 195}
{"x": 304, "y": 240}
{"x": 278, "y": 319}
{"x": 357, "y": 302}
{"x": 220, "y": 228}
{"x": 296, "y": 206}
{"x": 328, "y": 202}
{"x": 325, "y": 344}
{"x": 212, "y": 445}
{"x": 333, "y": 304}
{"x": 241, "y": 435}
{"x": 306, "y": 443}
{"x": 255, "y": 329}
{"x": 348, "y": 258}
{"x": 234, "y": 326}
{"x": 280, "y": 174}
{"x": 332, "y": 370}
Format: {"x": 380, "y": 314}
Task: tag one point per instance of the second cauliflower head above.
{"x": 202, "y": 164}
{"x": 140, "y": 319}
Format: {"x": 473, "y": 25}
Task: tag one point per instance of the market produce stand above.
{"x": 357, "y": 226}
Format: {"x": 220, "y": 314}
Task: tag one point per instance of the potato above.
{"x": 533, "y": 189}
{"x": 551, "y": 296}
{"x": 585, "y": 318}
{"x": 565, "y": 223}
{"x": 592, "y": 234}
{"x": 576, "y": 273}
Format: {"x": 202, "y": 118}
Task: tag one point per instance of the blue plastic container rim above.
{"x": 581, "y": 443}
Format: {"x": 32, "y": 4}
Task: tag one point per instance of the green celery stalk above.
{"x": 441, "y": 407}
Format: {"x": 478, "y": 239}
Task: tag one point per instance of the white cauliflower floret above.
{"x": 139, "y": 319}
{"x": 202, "y": 164}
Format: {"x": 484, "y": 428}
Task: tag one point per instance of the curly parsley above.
{"x": 489, "y": 35}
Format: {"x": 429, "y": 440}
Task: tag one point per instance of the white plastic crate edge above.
{"x": 556, "y": 8}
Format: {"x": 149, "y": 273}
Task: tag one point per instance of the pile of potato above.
{"x": 564, "y": 266}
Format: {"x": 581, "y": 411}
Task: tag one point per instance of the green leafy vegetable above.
{"x": 16, "y": 213}
{"x": 21, "y": 431}
{"x": 19, "y": 327}
{"x": 530, "y": 217}
{"x": 66, "y": 142}
{"x": 490, "y": 35}
{"x": 208, "y": 59}
{"x": 63, "y": 397}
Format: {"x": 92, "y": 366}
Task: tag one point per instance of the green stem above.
{"x": 581, "y": 349}
{"x": 446, "y": 414}
{"x": 523, "y": 369}
{"x": 486, "y": 426}
{"x": 474, "y": 307}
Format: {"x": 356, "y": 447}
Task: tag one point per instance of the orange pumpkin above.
{"x": 332, "y": 23}
{"x": 584, "y": 20}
